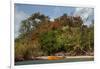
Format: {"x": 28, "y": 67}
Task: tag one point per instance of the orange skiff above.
{"x": 55, "y": 57}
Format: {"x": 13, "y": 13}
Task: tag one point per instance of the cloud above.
{"x": 87, "y": 14}
{"x": 18, "y": 17}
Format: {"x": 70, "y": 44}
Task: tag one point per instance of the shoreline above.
{"x": 45, "y": 61}
{"x": 46, "y": 57}
{"x": 58, "y": 58}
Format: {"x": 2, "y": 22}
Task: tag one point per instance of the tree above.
{"x": 32, "y": 22}
{"x": 47, "y": 41}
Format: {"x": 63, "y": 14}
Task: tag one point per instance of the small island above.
{"x": 53, "y": 38}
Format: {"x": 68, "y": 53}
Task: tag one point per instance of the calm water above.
{"x": 53, "y": 61}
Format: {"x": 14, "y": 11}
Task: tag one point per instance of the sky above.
{"x": 23, "y": 11}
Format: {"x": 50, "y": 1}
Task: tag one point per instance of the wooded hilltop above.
{"x": 39, "y": 36}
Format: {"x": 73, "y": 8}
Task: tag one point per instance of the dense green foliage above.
{"x": 39, "y": 36}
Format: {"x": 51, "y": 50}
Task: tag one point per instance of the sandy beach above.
{"x": 46, "y": 57}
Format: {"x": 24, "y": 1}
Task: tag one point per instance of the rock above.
{"x": 19, "y": 58}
